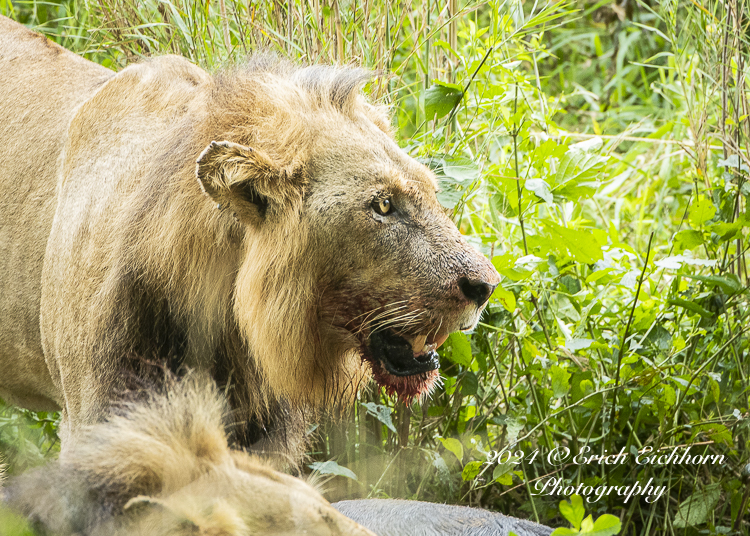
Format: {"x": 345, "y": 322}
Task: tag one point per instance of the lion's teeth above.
{"x": 419, "y": 342}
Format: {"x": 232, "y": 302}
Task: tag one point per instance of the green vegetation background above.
{"x": 598, "y": 154}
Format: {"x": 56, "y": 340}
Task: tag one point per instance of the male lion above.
{"x": 304, "y": 253}
{"x": 161, "y": 466}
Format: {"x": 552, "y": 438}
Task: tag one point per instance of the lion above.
{"x": 161, "y": 465}
{"x": 260, "y": 224}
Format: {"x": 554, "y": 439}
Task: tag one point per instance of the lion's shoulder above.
{"x": 168, "y": 72}
{"x": 141, "y": 108}
{"x": 159, "y": 88}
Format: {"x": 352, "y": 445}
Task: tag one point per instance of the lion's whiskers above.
{"x": 404, "y": 320}
{"x": 383, "y": 316}
{"x": 379, "y": 308}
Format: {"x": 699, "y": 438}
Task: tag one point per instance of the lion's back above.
{"x": 41, "y": 84}
{"x": 123, "y": 147}
{"x": 74, "y": 137}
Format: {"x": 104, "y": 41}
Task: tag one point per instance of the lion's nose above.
{"x": 476, "y": 290}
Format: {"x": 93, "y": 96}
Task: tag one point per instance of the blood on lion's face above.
{"x": 398, "y": 276}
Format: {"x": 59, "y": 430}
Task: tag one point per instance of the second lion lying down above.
{"x": 162, "y": 466}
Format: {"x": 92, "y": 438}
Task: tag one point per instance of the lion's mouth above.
{"x": 406, "y": 365}
{"x": 402, "y": 357}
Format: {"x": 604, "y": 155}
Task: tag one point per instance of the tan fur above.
{"x": 32, "y": 133}
{"x": 221, "y": 222}
{"x": 162, "y": 466}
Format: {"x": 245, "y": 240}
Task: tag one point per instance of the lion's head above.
{"x": 349, "y": 264}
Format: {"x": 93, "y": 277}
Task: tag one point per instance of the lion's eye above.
{"x": 382, "y": 206}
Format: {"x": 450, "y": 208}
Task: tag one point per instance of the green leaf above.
{"x": 732, "y": 161}
{"x": 514, "y": 426}
{"x": 503, "y": 474}
{"x": 578, "y": 344}
{"x": 440, "y": 99}
{"x": 727, "y": 231}
{"x": 668, "y": 395}
{"x": 730, "y": 284}
{"x": 446, "y": 46}
{"x": 578, "y": 173}
{"x": 460, "y": 349}
{"x": 702, "y": 210}
{"x": 332, "y": 468}
{"x": 448, "y": 196}
{"x": 455, "y": 176}
{"x": 540, "y": 188}
{"x": 454, "y": 445}
{"x": 597, "y": 275}
{"x": 505, "y": 199}
{"x": 582, "y": 245}
{"x": 469, "y": 384}
{"x": 605, "y": 525}
{"x": 549, "y": 13}
{"x": 471, "y": 470}
{"x": 505, "y": 297}
{"x": 687, "y": 239}
{"x": 570, "y": 284}
{"x": 505, "y": 479}
{"x": 506, "y": 265}
{"x": 715, "y": 390}
{"x": 381, "y": 413}
{"x": 560, "y": 381}
{"x": 718, "y": 433}
{"x": 690, "y": 306}
{"x": 573, "y": 511}
{"x": 461, "y": 170}
{"x": 695, "y": 509}
{"x": 581, "y": 385}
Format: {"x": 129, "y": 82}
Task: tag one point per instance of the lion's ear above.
{"x": 243, "y": 178}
